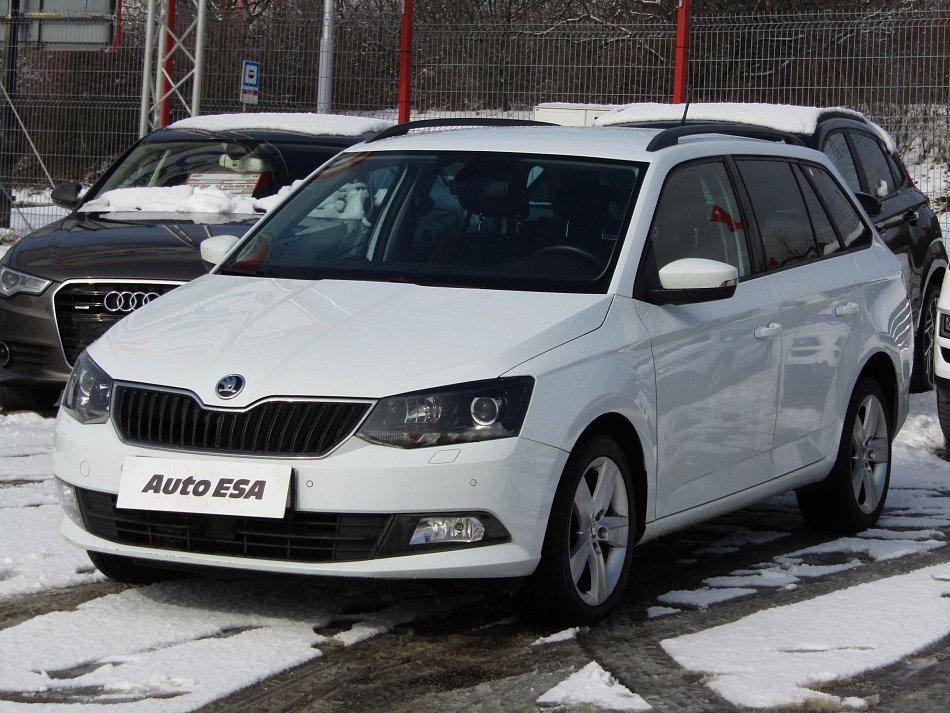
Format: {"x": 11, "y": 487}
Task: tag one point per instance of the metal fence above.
{"x": 80, "y": 108}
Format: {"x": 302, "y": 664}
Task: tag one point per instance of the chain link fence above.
{"x": 81, "y": 108}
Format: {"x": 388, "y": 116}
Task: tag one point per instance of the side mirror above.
{"x": 694, "y": 279}
{"x": 66, "y": 195}
{"x": 871, "y": 204}
{"x": 215, "y": 249}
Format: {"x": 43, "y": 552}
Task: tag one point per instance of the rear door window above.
{"x": 853, "y": 231}
{"x": 780, "y": 212}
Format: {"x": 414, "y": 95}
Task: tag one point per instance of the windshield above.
{"x": 506, "y": 221}
{"x": 163, "y": 175}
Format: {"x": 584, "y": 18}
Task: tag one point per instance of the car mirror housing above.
{"x": 691, "y": 280}
{"x": 66, "y": 195}
{"x": 216, "y": 248}
{"x": 871, "y": 204}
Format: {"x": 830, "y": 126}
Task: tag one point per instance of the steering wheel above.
{"x": 572, "y": 251}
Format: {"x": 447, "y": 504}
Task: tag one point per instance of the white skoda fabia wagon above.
{"x": 499, "y": 352}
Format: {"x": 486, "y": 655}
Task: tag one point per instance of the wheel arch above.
{"x": 933, "y": 282}
{"x": 881, "y": 369}
{"x": 625, "y": 434}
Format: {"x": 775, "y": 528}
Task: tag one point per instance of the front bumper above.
{"x": 28, "y": 329}
{"x": 513, "y": 480}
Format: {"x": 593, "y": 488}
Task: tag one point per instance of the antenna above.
{"x": 685, "y": 110}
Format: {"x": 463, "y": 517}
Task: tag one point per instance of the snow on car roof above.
{"x": 790, "y": 118}
{"x": 304, "y": 123}
{"x": 783, "y": 117}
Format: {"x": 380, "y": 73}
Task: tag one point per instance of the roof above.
{"x": 791, "y": 118}
{"x": 302, "y": 123}
{"x": 566, "y": 141}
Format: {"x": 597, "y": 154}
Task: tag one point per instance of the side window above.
{"x": 847, "y": 221}
{"x": 836, "y": 147}
{"x": 698, "y": 216}
{"x": 780, "y": 212}
{"x": 824, "y": 231}
{"x": 877, "y": 170}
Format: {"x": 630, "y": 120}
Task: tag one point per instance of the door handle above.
{"x": 846, "y": 309}
{"x": 911, "y": 217}
{"x": 772, "y": 329}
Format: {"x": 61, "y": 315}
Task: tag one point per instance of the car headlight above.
{"x": 88, "y": 392}
{"x": 464, "y": 413}
{"x": 13, "y": 282}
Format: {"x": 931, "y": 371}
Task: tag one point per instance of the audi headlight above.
{"x": 478, "y": 411}
{"x": 88, "y": 392}
{"x": 13, "y": 282}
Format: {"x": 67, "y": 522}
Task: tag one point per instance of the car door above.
{"x": 807, "y": 228}
{"x": 717, "y": 363}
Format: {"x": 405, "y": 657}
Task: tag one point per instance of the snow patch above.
{"x": 593, "y": 685}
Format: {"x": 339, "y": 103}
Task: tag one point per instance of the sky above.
{"x": 175, "y": 646}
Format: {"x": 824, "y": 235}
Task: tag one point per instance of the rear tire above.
{"x": 18, "y": 397}
{"x": 128, "y": 570}
{"x": 585, "y": 560}
{"x": 852, "y": 496}
{"x": 922, "y": 378}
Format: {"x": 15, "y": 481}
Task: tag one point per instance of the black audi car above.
{"x": 136, "y": 233}
{"x": 868, "y": 159}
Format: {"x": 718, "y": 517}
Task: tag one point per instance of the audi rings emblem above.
{"x": 126, "y": 301}
{"x": 229, "y": 386}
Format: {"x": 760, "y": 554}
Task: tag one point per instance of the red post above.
{"x": 169, "y": 63}
{"x": 405, "y": 63}
{"x": 682, "y": 52}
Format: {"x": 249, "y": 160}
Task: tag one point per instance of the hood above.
{"x": 337, "y": 338}
{"x": 94, "y": 245}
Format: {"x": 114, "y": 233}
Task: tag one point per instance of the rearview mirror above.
{"x": 66, "y": 195}
{"x": 694, "y": 279}
{"x": 871, "y": 204}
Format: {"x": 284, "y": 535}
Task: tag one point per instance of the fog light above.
{"x": 68, "y": 500}
{"x": 4, "y": 354}
{"x": 945, "y": 325}
{"x": 443, "y": 530}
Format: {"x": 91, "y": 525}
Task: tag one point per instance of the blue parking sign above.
{"x": 250, "y": 81}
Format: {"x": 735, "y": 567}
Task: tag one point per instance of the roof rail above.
{"x": 671, "y": 136}
{"x": 403, "y": 129}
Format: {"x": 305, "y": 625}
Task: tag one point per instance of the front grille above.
{"x": 83, "y": 316}
{"x": 273, "y": 428}
{"x": 297, "y": 537}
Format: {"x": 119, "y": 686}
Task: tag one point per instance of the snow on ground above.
{"x": 593, "y": 685}
{"x": 178, "y": 645}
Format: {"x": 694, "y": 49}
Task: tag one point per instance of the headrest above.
{"x": 491, "y": 190}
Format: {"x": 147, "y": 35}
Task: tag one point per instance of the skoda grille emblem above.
{"x": 229, "y": 386}
{"x": 125, "y": 301}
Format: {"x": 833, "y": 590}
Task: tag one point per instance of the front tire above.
{"x": 943, "y": 409}
{"x": 585, "y": 560}
{"x": 852, "y": 496}
{"x": 922, "y": 377}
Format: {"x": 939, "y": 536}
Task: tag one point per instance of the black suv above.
{"x": 867, "y": 158}
{"x": 136, "y": 233}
